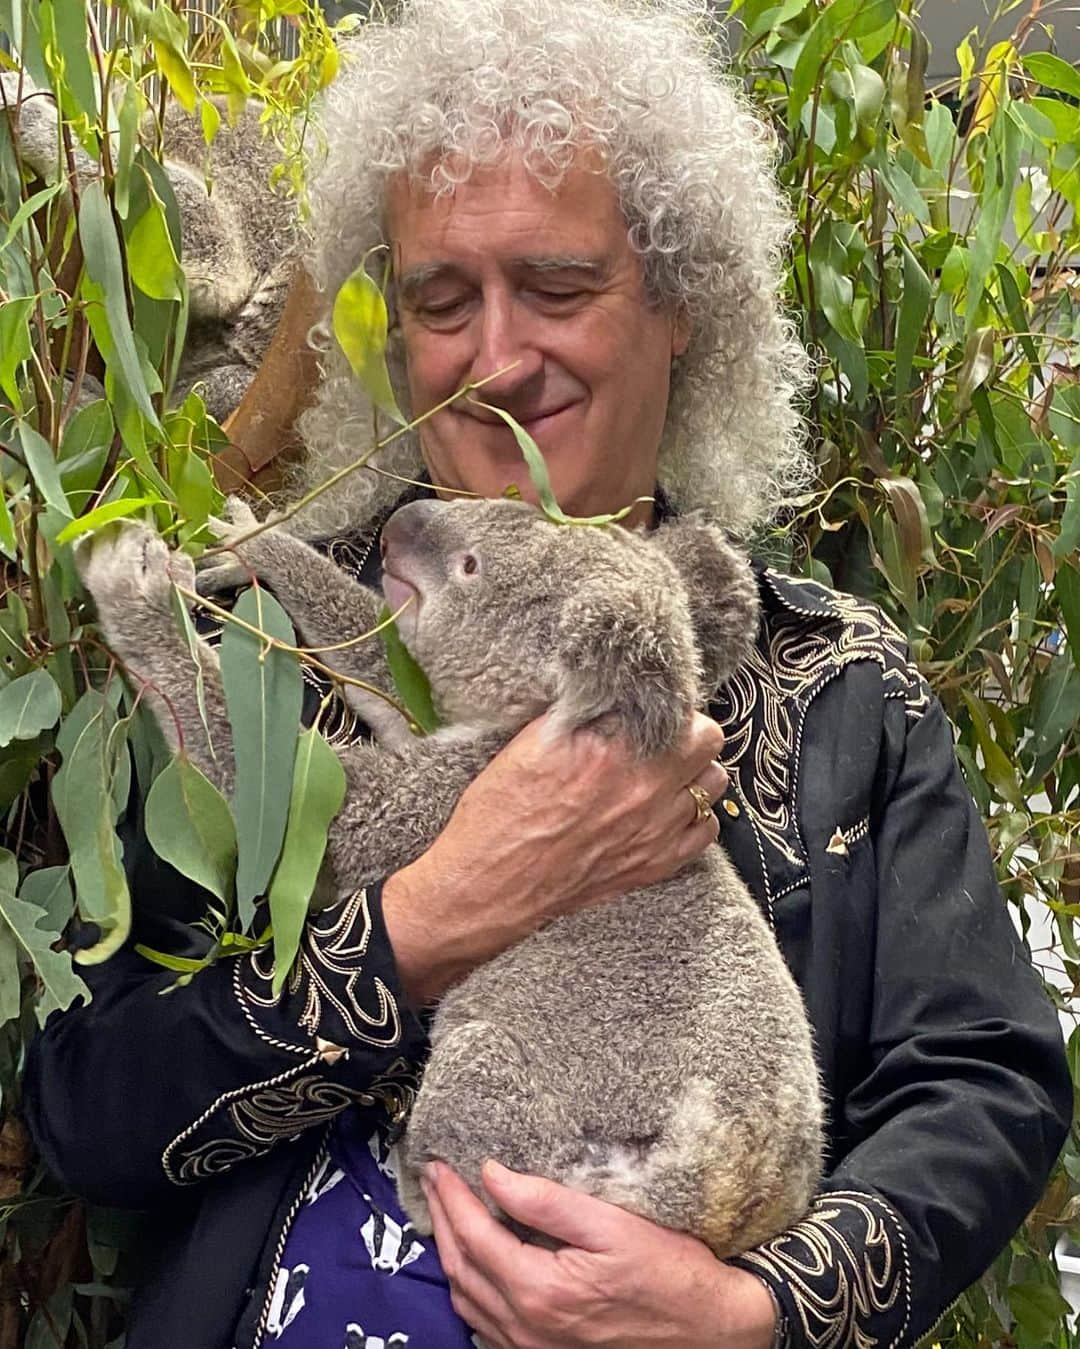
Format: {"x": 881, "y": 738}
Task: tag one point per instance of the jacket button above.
{"x": 731, "y": 808}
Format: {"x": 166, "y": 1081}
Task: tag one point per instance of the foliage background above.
{"x": 934, "y": 275}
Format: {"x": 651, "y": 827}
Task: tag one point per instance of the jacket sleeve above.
{"x": 953, "y": 1127}
{"x": 147, "y": 1089}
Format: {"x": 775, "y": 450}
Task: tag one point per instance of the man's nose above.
{"x": 506, "y": 357}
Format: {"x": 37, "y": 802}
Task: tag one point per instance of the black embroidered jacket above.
{"x": 847, "y": 816}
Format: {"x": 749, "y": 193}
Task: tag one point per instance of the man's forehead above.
{"x": 502, "y": 211}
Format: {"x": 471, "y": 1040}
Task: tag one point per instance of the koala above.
{"x": 652, "y": 1051}
{"x": 239, "y": 239}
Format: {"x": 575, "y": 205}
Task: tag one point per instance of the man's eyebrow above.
{"x": 592, "y": 267}
{"x": 414, "y": 279}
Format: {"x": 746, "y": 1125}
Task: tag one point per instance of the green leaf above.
{"x": 41, "y": 462}
{"x": 131, "y": 107}
{"x": 21, "y": 939}
{"x": 1068, "y": 539}
{"x": 15, "y": 345}
{"x": 28, "y": 706}
{"x": 110, "y": 323}
{"x": 1067, "y": 594}
{"x": 976, "y": 367}
{"x": 50, "y": 889}
{"x": 999, "y": 177}
{"x": 154, "y": 266}
{"x": 180, "y": 964}
{"x": 1055, "y": 711}
{"x": 1039, "y": 1309}
{"x": 169, "y": 35}
{"x": 833, "y": 285}
{"x": 318, "y": 790}
{"x": 1064, "y": 416}
{"x": 534, "y": 460}
{"x": 8, "y": 543}
{"x": 998, "y": 769}
{"x": 914, "y": 307}
{"x": 411, "y": 683}
{"x": 189, "y": 825}
{"x": 82, "y": 792}
{"x": 30, "y": 207}
{"x": 1053, "y": 73}
{"x": 102, "y": 515}
{"x": 843, "y": 19}
{"x": 263, "y": 694}
{"x": 360, "y": 321}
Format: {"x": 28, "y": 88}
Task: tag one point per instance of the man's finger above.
{"x": 479, "y": 1242}
{"x": 567, "y": 1215}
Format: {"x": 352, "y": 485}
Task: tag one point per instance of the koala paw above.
{"x": 232, "y": 533}
{"x": 129, "y": 566}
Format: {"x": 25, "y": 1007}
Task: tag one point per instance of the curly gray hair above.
{"x": 446, "y": 85}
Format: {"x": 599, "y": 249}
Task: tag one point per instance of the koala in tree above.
{"x": 238, "y": 237}
{"x": 652, "y": 1051}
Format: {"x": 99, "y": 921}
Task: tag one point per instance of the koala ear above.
{"x": 722, "y": 590}
{"x": 626, "y": 662}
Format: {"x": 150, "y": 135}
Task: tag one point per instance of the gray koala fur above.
{"x": 652, "y": 1051}
{"x": 238, "y": 237}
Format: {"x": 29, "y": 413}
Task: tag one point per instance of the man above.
{"x": 576, "y": 204}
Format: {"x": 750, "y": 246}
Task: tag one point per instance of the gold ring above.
{"x": 702, "y": 802}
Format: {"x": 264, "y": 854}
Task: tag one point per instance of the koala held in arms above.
{"x": 652, "y": 1051}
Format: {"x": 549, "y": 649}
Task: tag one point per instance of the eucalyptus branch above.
{"x": 303, "y": 653}
{"x": 297, "y": 506}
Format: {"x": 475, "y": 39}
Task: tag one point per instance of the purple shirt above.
{"x": 354, "y": 1273}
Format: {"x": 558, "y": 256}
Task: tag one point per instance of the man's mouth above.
{"x": 531, "y": 422}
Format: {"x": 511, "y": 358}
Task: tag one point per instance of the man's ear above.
{"x": 721, "y": 589}
{"x": 625, "y": 662}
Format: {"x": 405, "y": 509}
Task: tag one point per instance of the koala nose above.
{"x": 407, "y": 523}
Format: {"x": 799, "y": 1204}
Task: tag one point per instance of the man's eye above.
{"x": 555, "y": 296}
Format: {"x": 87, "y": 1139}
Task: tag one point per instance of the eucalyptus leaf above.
{"x": 58, "y": 983}
{"x": 82, "y": 795}
{"x": 49, "y": 888}
{"x": 410, "y": 682}
{"x": 15, "y": 345}
{"x": 154, "y": 266}
{"x": 318, "y": 791}
{"x": 102, "y": 515}
{"x": 360, "y": 325}
{"x": 263, "y": 695}
{"x": 189, "y": 825}
{"x": 41, "y": 462}
{"x": 28, "y": 706}
{"x": 111, "y": 325}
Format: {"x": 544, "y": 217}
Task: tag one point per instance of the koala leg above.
{"x": 130, "y": 573}
{"x": 481, "y": 1098}
{"x": 726, "y": 1179}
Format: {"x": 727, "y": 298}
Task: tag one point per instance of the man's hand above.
{"x": 551, "y": 825}
{"x": 620, "y": 1281}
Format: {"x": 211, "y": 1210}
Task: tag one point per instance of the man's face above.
{"x": 506, "y": 273}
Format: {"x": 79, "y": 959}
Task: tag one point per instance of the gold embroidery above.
{"x": 280, "y": 1108}
{"x": 763, "y": 705}
{"x": 845, "y": 1266}
{"x": 328, "y": 977}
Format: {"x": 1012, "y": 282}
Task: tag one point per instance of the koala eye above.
{"x": 470, "y": 564}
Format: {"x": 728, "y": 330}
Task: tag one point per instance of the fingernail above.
{"x": 430, "y": 1172}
